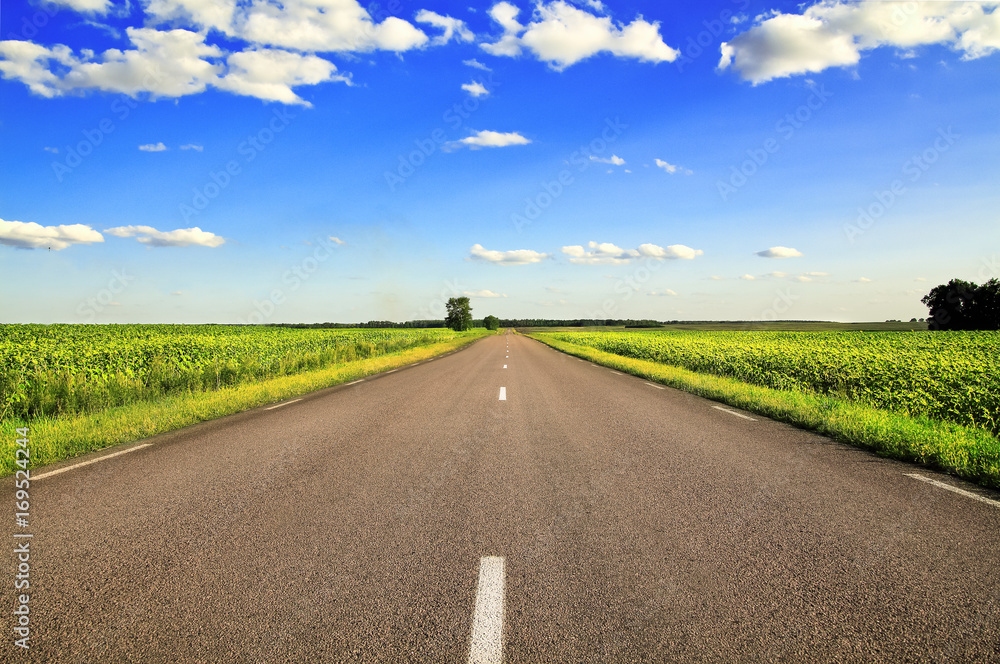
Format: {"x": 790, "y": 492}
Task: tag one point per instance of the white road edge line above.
{"x": 961, "y": 492}
{"x": 357, "y": 381}
{"x": 282, "y": 405}
{"x": 733, "y": 412}
{"x": 487, "y": 617}
{"x": 659, "y": 387}
{"x": 616, "y": 373}
{"x": 393, "y": 371}
{"x": 503, "y": 394}
{"x": 87, "y": 463}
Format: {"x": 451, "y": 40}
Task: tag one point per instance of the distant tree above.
{"x": 491, "y": 323}
{"x": 950, "y": 305}
{"x": 986, "y": 306}
{"x": 459, "y": 316}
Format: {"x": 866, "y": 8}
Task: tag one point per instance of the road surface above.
{"x": 504, "y": 503}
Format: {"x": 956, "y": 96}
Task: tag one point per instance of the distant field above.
{"x": 50, "y": 370}
{"x": 784, "y": 326}
{"x": 951, "y": 376}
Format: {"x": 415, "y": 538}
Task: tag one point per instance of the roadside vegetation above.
{"x": 81, "y": 388}
{"x": 933, "y": 398}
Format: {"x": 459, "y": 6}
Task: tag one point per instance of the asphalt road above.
{"x": 586, "y": 517}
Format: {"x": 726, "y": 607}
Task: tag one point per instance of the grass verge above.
{"x": 972, "y": 454}
{"x": 56, "y": 438}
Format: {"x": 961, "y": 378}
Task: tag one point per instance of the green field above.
{"x": 926, "y": 396}
{"x": 84, "y": 387}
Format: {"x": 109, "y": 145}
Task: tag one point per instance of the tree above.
{"x": 459, "y": 316}
{"x": 491, "y": 323}
{"x": 963, "y": 305}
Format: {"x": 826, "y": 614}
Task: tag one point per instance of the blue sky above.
{"x": 319, "y": 160}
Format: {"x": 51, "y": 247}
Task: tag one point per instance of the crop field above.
{"x": 947, "y": 376}
{"x": 50, "y": 370}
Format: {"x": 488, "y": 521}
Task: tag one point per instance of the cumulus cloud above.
{"x": 779, "y": 252}
{"x": 561, "y": 35}
{"x": 671, "y": 168}
{"x": 834, "y": 33}
{"x": 748, "y": 277}
{"x": 29, "y": 235}
{"x": 153, "y": 147}
{"x": 323, "y": 26}
{"x": 450, "y": 27}
{"x": 182, "y": 237}
{"x": 483, "y": 293}
{"x": 490, "y": 139}
{"x": 86, "y": 6}
{"x": 170, "y": 63}
{"x": 475, "y": 88}
{"x": 515, "y": 257}
{"x": 270, "y": 74}
{"x": 606, "y": 253}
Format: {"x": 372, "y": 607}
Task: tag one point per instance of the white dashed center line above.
{"x": 505, "y": 366}
{"x": 659, "y": 387}
{"x": 487, "y": 617}
{"x": 616, "y": 373}
{"x": 503, "y": 394}
{"x": 733, "y": 412}
{"x": 357, "y": 381}
{"x": 87, "y": 463}
{"x": 281, "y": 405}
{"x": 961, "y": 492}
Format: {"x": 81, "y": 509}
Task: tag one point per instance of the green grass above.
{"x": 970, "y": 453}
{"x": 56, "y": 438}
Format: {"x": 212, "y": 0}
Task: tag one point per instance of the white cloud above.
{"x": 748, "y": 277}
{"x": 182, "y": 237}
{"x": 86, "y": 6}
{"x": 490, "y": 139}
{"x": 779, "y": 252}
{"x": 476, "y": 63}
{"x": 615, "y": 160}
{"x": 562, "y": 35}
{"x": 606, "y": 253}
{"x": 193, "y": 146}
{"x": 664, "y": 293}
{"x": 153, "y": 147}
{"x": 864, "y": 280}
{"x": 170, "y": 64}
{"x": 29, "y": 235}
{"x": 515, "y": 257}
{"x": 270, "y": 74}
{"x": 323, "y": 26}
{"x": 217, "y": 14}
{"x": 803, "y": 278}
{"x": 450, "y": 27}
{"x": 476, "y": 89}
{"x": 52, "y": 150}
{"x": 777, "y": 275}
{"x": 336, "y": 240}
{"x": 177, "y": 293}
{"x": 671, "y": 168}
{"x": 834, "y": 34}
{"x": 482, "y": 293}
